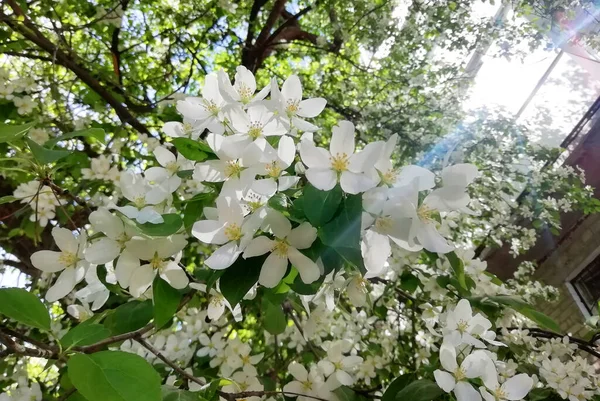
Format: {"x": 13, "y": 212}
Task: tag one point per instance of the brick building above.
{"x": 569, "y": 261}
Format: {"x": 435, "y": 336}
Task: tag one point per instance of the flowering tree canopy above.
{"x": 263, "y": 236}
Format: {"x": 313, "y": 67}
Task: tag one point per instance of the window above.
{"x": 586, "y": 285}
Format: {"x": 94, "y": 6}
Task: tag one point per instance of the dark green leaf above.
{"x": 323, "y": 204}
{"x": 171, "y": 224}
{"x": 343, "y": 232}
{"x": 166, "y": 300}
{"x": 240, "y": 277}
{"x": 396, "y": 386}
{"x": 96, "y": 133}
{"x": 185, "y": 173}
{"x": 526, "y": 310}
{"x": 24, "y": 307}
{"x": 194, "y": 209}
{"x": 44, "y": 155}
{"x": 409, "y": 282}
{"x": 279, "y": 202}
{"x": 458, "y": 267}
{"x": 84, "y": 334}
{"x": 11, "y": 132}
{"x": 129, "y": 317}
{"x": 114, "y": 376}
{"x": 420, "y": 390}
{"x": 170, "y": 393}
{"x": 345, "y": 394}
{"x": 190, "y": 149}
{"x": 274, "y": 319}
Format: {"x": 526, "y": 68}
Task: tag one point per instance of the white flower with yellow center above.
{"x": 207, "y": 111}
{"x": 162, "y": 257}
{"x": 513, "y": 389}
{"x": 339, "y": 367}
{"x": 69, "y": 260}
{"x": 165, "y": 179}
{"x": 290, "y": 106}
{"x": 226, "y": 227}
{"x": 354, "y": 171}
{"x": 276, "y": 162}
{"x": 462, "y": 327}
{"x": 282, "y": 249}
{"x": 454, "y": 377}
{"x": 242, "y": 91}
{"x": 135, "y": 188}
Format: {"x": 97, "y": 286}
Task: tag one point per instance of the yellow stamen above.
{"x": 339, "y": 162}
{"x": 281, "y": 248}
{"x": 233, "y": 169}
{"x": 69, "y": 259}
{"x": 273, "y": 169}
{"x": 233, "y": 232}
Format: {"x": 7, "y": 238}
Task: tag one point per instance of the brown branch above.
{"x": 15, "y": 348}
{"x": 68, "y": 60}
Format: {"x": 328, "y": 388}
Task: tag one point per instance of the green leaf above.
{"x": 166, "y": 300}
{"x": 323, "y": 204}
{"x": 345, "y": 393}
{"x": 343, "y": 232}
{"x": 409, "y": 282}
{"x": 114, "y": 376}
{"x": 194, "y": 209}
{"x": 7, "y": 199}
{"x": 44, "y": 155}
{"x": 84, "y": 334}
{"x": 170, "y": 393}
{"x": 11, "y": 132}
{"x": 171, "y": 224}
{"x": 279, "y": 202}
{"x": 396, "y": 386}
{"x": 24, "y": 307}
{"x": 96, "y": 133}
{"x": 458, "y": 267}
{"x": 274, "y": 319}
{"x": 190, "y": 149}
{"x": 129, "y": 317}
{"x": 239, "y": 278}
{"x": 185, "y": 173}
{"x": 420, "y": 390}
{"x": 539, "y": 394}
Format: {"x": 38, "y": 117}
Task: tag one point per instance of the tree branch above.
{"x": 29, "y": 30}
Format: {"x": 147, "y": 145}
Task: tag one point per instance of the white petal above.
{"x": 286, "y": 150}
{"x": 365, "y": 159}
{"x": 149, "y": 215}
{"x": 292, "y": 88}
{"x": 445, "y": 380}
{"x": 313, "y": 156}
{"x": 298, "y": 371}
{"x": 466, "y": 392}
{"x": 273, "y": 270}
{"x": 210, "y": 231}
{"x": 303, "y": 236}
{"x": 448, "y": 357}
{"x": 140, "y": 281}
{"x": 277, "y": 223}
{"x": 47, "y": 261}
{"x": 354, "y": 183}
{"x": 175, "y": 276}
{"x": 342, "y": 139}
{"x": 425, "y": 179}
{"x": 223, "y": 257}
{"x": 163, "y": 156}
{"x": 174, "y": 129}
{"x": 65, "y": 240}
{"x": 102, "y": 251}
{"x": 322, "y": 178}
{"x": 266, "y": 187}
{"x": 311, "y": 107}
{"x": 376, "y": 252}
{"x": 210, "y": 171}
{"x": 293, "y": 388}
{"x": 63, "y": 285}
{"x": 126, "y": 265}
{"x": 431, "y": 240}
{"x": 459, "y": 174}
{"x": 309, "y": 271}
{"x": 191, "y": 110}
{"x": 303, "y": 125}
{"x": 287, "y": 181}
{"x": 258, "y": 246}
{"x": 104, "y": 221}
{"x": 230, "y": 211}
{"x": 486, "y": 395}
{"x": 517, "y": 387}
{"x": 344, "y": 378}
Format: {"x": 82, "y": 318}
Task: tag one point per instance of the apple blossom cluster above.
{"x": 263, "y": 219}
{"x": 41, "y": 199}
{"x": 17, "y": 90}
